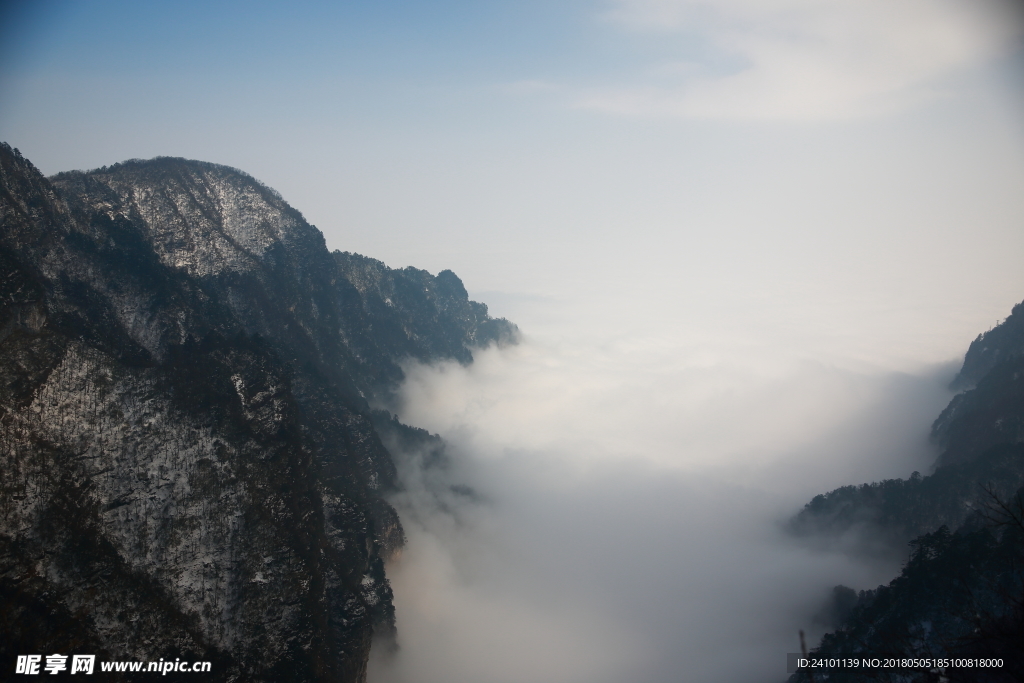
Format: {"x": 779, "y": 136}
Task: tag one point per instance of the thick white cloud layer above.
{"x": 624, "y": 517}
{"x": 805, "y": 59}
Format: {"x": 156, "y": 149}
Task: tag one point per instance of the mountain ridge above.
{"x": 959, "y": 593}
{"x": 191, "y": 463}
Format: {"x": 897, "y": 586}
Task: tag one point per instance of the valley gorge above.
{"x": 196, "y": 463}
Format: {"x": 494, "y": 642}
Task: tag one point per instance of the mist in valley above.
{"x": 612, "y": 510}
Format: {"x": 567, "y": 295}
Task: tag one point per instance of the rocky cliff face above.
{"x": 1003, "y": 342}
{"x": 990, "y": 410}
{"x": 981, "y": 433}
{"x": 190, "y": 468}
{"x": 961, "y": 592}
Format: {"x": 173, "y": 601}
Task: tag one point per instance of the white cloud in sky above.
{"x": 805, "y": 59}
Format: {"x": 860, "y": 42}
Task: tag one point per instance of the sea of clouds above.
{"x": 610, "y": 507}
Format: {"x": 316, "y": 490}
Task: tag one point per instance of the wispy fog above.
{"x": 610, "y": 508}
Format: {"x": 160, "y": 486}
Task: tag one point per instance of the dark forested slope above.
{"x": 961, "y": 592}
{"x": 189, "y": 465}
{"x": 981, "y": 434}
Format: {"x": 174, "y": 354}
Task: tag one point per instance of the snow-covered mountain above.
{"x": 189, "y": 464}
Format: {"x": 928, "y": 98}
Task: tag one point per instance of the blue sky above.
{"x": 734, "y": 161}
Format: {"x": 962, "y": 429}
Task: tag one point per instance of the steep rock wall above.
{"x": 190, "y": 467}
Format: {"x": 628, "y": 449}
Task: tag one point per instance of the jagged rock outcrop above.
{"x": 981, "y": 433}
{"x": 190, "y": 468}
{"x": 1003, "y": 342}
{"x": 990, "y": 410}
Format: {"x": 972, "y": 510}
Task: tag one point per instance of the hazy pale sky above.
{"x": 847, "y": 173}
